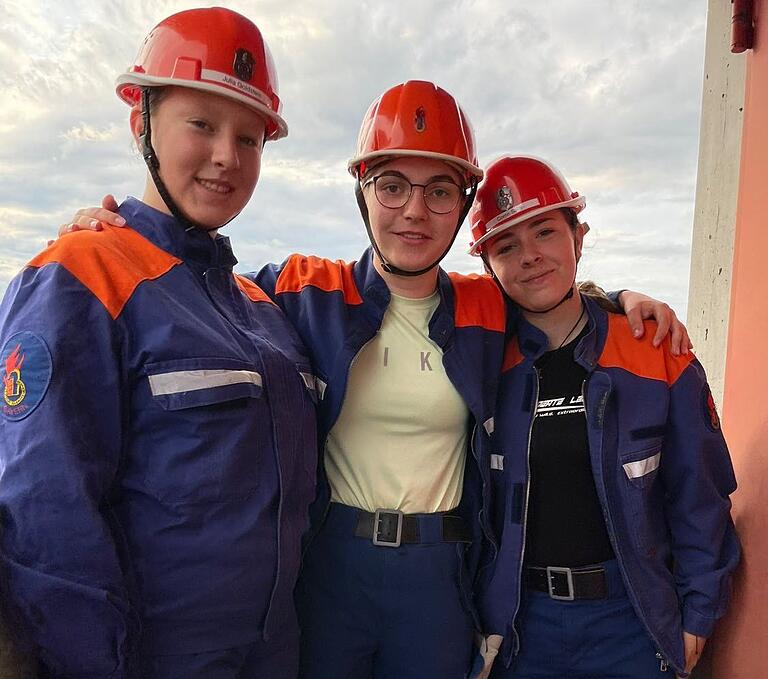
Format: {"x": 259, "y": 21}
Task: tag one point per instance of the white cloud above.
{"x": 610, "y": 91}
{"x": 87, "y": 133}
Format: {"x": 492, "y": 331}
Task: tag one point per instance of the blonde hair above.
{"x": 596, "y": 293}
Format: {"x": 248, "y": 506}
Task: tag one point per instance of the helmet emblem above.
{"x": 420, "y": 119}
{"x": 504, "y": 199}
{"x": 243, "y": 64}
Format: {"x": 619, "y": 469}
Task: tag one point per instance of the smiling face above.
{"x": 535, "y": 260}
{"x": 209, "y": 148}
{"x": 412, "y": 236}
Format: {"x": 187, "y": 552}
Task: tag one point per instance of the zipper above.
{"x": 525, "y": 510}
{"x": 619, "y": 558}
{"x": 245, "y": 331}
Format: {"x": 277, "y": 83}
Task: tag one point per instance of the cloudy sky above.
{"x": 609, "y": 91}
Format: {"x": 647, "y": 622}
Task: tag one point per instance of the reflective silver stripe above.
{"x": 489, "y": 425}
{"x": 309, "y": 381}
{"x": 497, "y": 462}
{"x": 321, "y": 386}
{"x": 635, "y": 470}
{"x": 191, "y": 380}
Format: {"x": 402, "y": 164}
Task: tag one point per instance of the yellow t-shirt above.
{"x": 400, "y": 440}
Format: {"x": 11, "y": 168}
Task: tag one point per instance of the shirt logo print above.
{"x": 426, "y": 366}
{"x": 560, "y": 406}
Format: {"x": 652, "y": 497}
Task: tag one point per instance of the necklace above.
{"x": 575, "y": 325}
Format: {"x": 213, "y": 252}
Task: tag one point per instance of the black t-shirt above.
{"x": 565, "y": 521}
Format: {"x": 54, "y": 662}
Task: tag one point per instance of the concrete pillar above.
{"x": 716, "y": 195}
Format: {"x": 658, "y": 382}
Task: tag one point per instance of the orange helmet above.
{"x": 211, "y": 49}
{"x": 517, "y": 188}
{"x": 416, "y": 118}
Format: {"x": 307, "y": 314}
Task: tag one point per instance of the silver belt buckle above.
{"x": 377, "y": 520}
{"x": 568, "y": 573}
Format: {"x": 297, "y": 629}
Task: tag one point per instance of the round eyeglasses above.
{"x": 394, "y": 191}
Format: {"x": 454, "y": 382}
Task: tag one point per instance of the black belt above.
{"x": 391, "y": 528}
{"x": 568, "y": 584}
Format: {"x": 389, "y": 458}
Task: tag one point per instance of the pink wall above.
{"x": 740, "y": 645}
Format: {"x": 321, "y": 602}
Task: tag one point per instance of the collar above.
{"x": 443, "y": 321}
{"x": 533, "y": 342}
{"x": 377, "y": 296}
{"x": 370, "y": 283}
{"x": 165, "y": 232}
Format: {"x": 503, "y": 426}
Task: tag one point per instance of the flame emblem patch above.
{"x": 27, "y": 368}
{"x": 14, "y": 389}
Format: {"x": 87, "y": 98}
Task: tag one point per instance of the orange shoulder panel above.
{"x": 110, "y": 263}
{"x": 512, "y": 355}
{"x": 478, "y": 302}
{"x": 251, "y": 290}
{"x": 324, "y": 274}
{"x": 640, "y": 357}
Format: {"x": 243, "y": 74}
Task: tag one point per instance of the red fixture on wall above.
{"x": 742, "y": 30}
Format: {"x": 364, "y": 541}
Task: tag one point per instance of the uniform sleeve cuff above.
{"x": 698, "y": 624}
{"x": 613, "y": 295}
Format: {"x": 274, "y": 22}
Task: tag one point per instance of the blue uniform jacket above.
{"x": 662, "y": 472}
{"x": 337, "y": 307}
{"x": 158, "y": 450}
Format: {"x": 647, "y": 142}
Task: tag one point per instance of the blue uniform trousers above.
{"x": 276, "y": 659}
{"x": 597, "y": 639}
{"x": 374, "y": 612}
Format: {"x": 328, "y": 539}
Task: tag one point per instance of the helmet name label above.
{"x": 512, "y": 211}
{"x": 215, "y": 76}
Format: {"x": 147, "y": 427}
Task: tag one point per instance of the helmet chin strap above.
{"x": 153, "y": 165}
{"x": 387, "y": 265}
{"x": 565, "y": 298}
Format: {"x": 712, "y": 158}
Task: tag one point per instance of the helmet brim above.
{"x": 576, "y": 204}
{"x": 355, "y": 162}
{"x": 129, "y": 85}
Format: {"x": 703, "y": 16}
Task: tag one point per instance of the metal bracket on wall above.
{"x": 742, "y": 25}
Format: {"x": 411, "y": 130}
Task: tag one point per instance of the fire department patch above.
{"x": 420, "y": 119}
{"x": 243, "y": 64}
{"x": 504, "y": 199}
{"x": 711, "y": 418}
{"x": 27, "y": 368}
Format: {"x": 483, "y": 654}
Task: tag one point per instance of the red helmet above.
{"x": 517, "y": 188}
{"x": 212, "y": 49}
{"x": 416, "y": 118}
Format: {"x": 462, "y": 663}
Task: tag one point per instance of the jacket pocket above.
{"x": 643, "y": 496}
{"x": 203, "y": 426}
